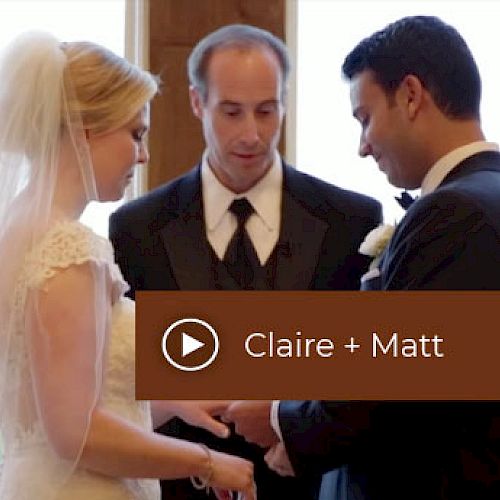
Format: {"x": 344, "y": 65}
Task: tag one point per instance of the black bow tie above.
{"x": 405, "y": 200}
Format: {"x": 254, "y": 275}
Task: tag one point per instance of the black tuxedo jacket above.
{"x": 160, "y": 244}
{"x": 160, "y": 241}
{"x": 448, "y": 240}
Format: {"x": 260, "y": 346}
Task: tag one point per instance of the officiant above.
{"x": 243, "y": 219}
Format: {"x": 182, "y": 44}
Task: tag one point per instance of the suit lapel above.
{"x": 184, "y": 238}
{"x": 301, "y": 236}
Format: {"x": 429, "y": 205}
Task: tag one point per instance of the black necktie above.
{"x": 240, "y": 257}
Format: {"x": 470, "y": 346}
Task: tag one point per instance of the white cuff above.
{"x": 275, "y": 423}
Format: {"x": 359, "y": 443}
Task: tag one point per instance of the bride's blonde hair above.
{"x": 108, "y": 91}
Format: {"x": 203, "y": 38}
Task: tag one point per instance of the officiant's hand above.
{"x": 252, "y": 420}
{"x": 197, "y": 413}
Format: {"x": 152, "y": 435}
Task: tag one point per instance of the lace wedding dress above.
{"x": 31, "y": 469}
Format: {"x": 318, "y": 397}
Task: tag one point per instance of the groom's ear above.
{"x": 411, "y": 95}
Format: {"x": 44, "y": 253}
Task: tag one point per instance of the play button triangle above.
{"x": 190, "y": 344}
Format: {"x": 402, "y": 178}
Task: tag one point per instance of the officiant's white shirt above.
{"x": 263, "y": 225}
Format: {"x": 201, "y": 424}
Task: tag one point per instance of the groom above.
{"x": 415, "y": 90}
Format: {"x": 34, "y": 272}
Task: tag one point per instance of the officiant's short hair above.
{"x": 241, "y": 36}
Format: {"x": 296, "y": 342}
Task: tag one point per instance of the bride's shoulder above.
{"x": 72, "y": 239}
{"x": 64, "y": 244}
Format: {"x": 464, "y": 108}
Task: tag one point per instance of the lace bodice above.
{"x": 30, "y": 464}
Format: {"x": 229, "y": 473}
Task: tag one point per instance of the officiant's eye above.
{"x": 230, "y": 109}
{"x": 268, "y": 108}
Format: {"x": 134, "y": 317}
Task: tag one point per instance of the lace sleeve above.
{"x": 67, "y": 244}
{"x": 70, "y": 280}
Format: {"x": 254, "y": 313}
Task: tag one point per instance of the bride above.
{"x": 73, "y": 120}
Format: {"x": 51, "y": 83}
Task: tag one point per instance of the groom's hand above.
{"x": 252, "y": 420}
{"x": 277, "y": 460}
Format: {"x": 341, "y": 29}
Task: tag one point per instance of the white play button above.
{"x": 190, "y": 344}
{"x": 177, "y": 345}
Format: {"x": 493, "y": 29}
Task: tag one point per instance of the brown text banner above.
{"x": 317, "y": 345}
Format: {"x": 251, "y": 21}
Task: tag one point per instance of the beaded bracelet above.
{"x": 199, "y": 482}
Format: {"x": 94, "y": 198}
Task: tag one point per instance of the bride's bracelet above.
{"x": 200, "y": 482}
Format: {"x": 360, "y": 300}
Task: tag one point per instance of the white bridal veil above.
{"x": 49, "y": 380}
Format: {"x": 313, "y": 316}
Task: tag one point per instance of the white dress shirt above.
{"x": 263, "y": 226}
{"x": 448, "y": 162}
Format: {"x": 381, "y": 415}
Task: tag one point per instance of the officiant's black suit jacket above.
{"x": 448, "y": 240}
{"x": 160, "y": 244}
{"x": 160, "y": 241}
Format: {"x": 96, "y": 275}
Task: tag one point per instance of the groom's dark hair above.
{"x": 431, "y": 50}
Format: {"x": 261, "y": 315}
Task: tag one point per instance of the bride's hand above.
{"x": 201, "y": 414}
{"x": 231, "y": 473}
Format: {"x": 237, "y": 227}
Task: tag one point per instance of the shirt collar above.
{"x": 265, "y": 196}
{"x": 448, "y": 162}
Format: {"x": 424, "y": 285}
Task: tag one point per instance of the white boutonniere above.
{"x": 373, "y": 245}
